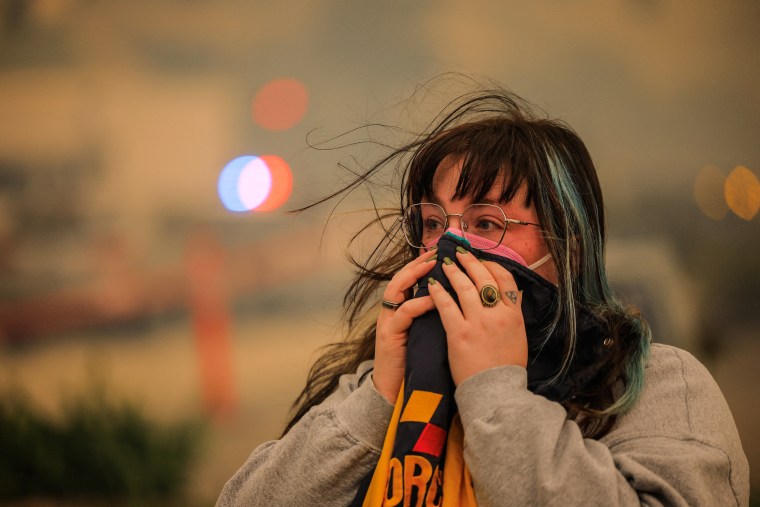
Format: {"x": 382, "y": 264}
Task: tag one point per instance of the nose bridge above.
{"x": 450, "y": 219}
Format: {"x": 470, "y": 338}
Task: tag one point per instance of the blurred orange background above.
{"x": 120, "y": 264}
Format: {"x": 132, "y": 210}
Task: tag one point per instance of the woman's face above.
{"x": 526, "y": 240}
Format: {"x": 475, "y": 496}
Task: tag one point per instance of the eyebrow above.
{"x": 437, "y": 201}
{"x": 433, "y": 199}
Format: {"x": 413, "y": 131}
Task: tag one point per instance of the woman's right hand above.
{"x": 393, "y": 325}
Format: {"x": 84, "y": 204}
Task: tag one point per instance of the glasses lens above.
{"x": 424, "y": 224}
{"x": 484, "y": 221}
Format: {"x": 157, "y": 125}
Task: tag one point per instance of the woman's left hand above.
{"x": 480, "y": 337}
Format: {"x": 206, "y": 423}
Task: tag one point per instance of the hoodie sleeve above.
{"x": 677, "y": 446}
{"x": 322, "y": 459}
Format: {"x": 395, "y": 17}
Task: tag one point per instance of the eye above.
{"x": 432, "y": 224}
{"x": 489, "y": 224}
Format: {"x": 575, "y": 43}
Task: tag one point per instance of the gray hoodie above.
{"x": 677, "y": 446}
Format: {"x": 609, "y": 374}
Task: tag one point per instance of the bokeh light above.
{"x": 708, "y": 192}
{"x": 250, "y": 183}
{"x": 227, "y": 185}
{"x": 742, "y": 192}
{"x": 282, "y": 183}
{"x": 280, "y": 104}
{"x": 254, "y": 183}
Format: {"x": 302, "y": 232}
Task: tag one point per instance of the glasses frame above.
{"x": 404, "y": 222}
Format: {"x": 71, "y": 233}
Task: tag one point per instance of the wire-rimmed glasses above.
{"x": 425, "y": 223}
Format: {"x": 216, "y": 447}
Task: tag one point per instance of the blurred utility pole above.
{"x": 209, "y": 305}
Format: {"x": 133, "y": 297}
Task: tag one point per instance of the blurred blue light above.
{"x": 227, "y": 185}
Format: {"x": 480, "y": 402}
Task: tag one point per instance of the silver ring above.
{"x": 489, "y": 295}
{"x": 391, "y": 305}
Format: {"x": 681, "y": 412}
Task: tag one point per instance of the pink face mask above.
{"x": 495, "y": 248}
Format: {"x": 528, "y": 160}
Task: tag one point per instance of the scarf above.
{"x": 421, "y": 463}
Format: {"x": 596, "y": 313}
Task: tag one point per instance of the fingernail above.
{"x": 461, "y": 250}
{"x": 447, "y": 261}
{"x": 435, "y": 257}
{"x": 432, "y": 281}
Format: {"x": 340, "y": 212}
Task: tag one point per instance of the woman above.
{"x": 557, "y": 395}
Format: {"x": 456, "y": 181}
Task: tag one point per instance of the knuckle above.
{"x": 445, "y": 303}
{"x": 395, "y": 285}
{"x": 468, "y": 289}
{"x": 463, "y": 335}
{"x": 396, "y": 278}
{"x": 502, "y": 320}
{"x": 504, "y": 272}
{"x": 496, "y": 268}
{"x": 405, "y": 310}
{"x": 508, "y": 319}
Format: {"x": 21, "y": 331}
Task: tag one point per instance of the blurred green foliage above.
{"x": 96, "y": 447}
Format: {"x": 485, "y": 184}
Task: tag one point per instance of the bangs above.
{"x": 493, "y": 152}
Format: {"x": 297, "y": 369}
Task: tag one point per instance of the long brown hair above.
{"x": 502, "y": 138}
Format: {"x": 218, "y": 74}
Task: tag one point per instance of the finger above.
{"x": 407, "y": 277}
{"x": 508, "y": 290}
{"x": 451, "y": 316}
{"x": 467, "y": 289}
{"x": 478, "y": 273}
{"x": 401, "y": 319}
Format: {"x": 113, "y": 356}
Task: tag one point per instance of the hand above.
{"x": 393, "y": 325}
{"x": 480, "y": 337}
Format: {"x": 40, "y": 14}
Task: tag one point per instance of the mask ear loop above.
{"x": 540, "y": 262}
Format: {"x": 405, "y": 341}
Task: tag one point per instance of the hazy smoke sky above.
{"x": 161, "y": 90}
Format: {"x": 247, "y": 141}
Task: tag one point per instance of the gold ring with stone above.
{"x": 489, "y": 295}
